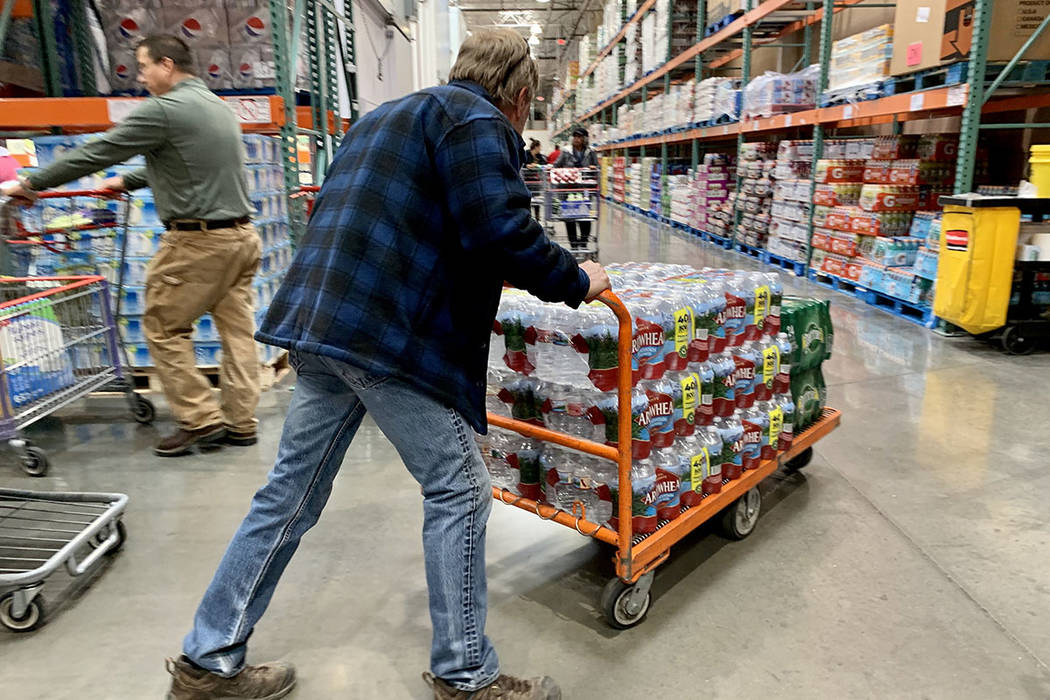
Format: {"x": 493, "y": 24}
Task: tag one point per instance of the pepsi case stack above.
{"x": 231, "y": 40}
{"x": 712, "y": 390}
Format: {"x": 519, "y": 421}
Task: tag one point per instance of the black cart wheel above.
{"x": 740, "y": 518}
{"x": 34, "y": 461}
{"x": 623, "y": 604}
{"x": 1017, "y": 343}
{"x": 122, "y": 534}
{"x": 799, "y": 461}
{"x": 144, "y": 412}
{"x": 31, "y": 619}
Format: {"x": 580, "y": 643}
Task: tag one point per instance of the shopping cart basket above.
{"x": 40, "y": 533}
{"x": 572, "y": 198}
{"x": 58, "y": 343}
{"x": 626, "y": 599}
{"x": 535, "y": 180}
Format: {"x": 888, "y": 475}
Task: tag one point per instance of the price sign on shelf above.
{"x": 847, "y": 112}
{"x": 250, "y": 110}
{"x": 118, "y": 109}
{"x": 957, "y": 95}
{"x": 917, "y": 101}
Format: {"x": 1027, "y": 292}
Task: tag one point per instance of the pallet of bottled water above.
{"x": 711, "y": 396}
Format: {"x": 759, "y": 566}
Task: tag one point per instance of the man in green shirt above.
{"x": 210, "y": 251}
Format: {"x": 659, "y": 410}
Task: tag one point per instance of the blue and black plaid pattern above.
{"x": 421, "y": 218}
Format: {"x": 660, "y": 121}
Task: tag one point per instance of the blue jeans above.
{"x": 438, "y": 448}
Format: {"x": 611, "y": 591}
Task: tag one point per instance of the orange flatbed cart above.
{"x": 626, "y": 598}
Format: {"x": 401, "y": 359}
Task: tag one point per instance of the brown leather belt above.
{"x": 203, "y": 225}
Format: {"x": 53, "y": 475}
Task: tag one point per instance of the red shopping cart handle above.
{"x": 106, "y": 194}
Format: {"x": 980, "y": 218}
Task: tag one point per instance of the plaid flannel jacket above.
{"x": 422, "y": 216}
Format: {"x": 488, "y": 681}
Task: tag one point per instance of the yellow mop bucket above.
{"x": 976, "y": 267}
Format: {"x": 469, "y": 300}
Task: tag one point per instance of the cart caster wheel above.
{"x": 623, "y": 605}
{"x": 34, "y": 462}
{"x": 740, "y": 518}
{"x": 32, "y": 619}
{"x": 144, "y": 412}
{"x": 122, "y": 535}
{"x": 1015, "y": 343}
{"x": 799, "y": 462}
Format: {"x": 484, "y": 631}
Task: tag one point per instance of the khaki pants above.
{"x": 197, "y": 272}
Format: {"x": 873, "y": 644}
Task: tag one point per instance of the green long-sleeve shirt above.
{"x": 194, "y": 155}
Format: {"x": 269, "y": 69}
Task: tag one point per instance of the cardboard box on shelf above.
{"x": 929, "y": 32}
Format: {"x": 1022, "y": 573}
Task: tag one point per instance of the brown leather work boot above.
{"x": 240, "y": 438}
{"x": 180, "y": 443}
{"x": 504, "y": 688}
{"x": 266, "y": 682}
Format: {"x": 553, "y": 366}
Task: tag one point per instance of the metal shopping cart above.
{"x": 535, "y": 178}
{"x": 40, "y": 533}
{"x": 572, "y": 198}
{"x": 59, "y": 339}
{"x": 58, "y": 343}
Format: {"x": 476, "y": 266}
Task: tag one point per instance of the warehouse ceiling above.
{"x": 555, "y": 21}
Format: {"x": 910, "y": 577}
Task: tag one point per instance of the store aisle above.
{"x": 910, "y": 559}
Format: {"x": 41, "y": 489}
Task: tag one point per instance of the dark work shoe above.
{"x": 504, "y": 688}
{"x": 265, "y": 682}
{"x": 183, "y": 440}
{"x": 240, "y": 438}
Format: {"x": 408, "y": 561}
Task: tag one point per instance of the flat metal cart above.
{"x": 42, "y": 533}
{"x": 626, "y": 598}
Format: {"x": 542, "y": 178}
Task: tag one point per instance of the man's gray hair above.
{"x": 499, "y": 61}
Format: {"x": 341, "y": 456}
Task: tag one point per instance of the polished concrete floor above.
{"x": 910, "y": 560}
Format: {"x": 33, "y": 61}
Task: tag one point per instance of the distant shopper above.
{"x": 555, "y": 154}
{"x": 533, "y": 156}
{"x": 387, "y": 310}
{"x": 195, "y": 165}
{"x": 581, "y": 156}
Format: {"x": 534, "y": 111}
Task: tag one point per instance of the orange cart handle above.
{"x": 103, "y": 194}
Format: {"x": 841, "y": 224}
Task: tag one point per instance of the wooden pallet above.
{"x": 146, "y": 378}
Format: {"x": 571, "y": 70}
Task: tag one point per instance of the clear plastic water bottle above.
{"x": 787, "y": 428}
{"x": 705, "y": 409}
{"x": 711, "y": 449}
{"x": 660, "y": 393}
{"x": 560, "y": 467}
{"x": 776, "y": 297}
{"x": 495, "y": 448}
{"x": 669, "y": 473}
{"x": 603, "y": 474}
{"x": 605, "y": 414}
{"x": 724, "y": 399}
{"x": 643, "y": 497}
{"x": 787, "y": 354}
{"x": 514, "y": 321}
{"x": 745, "y": 359}
{"x": 731, "y": 429}
{"x": 497, "y": 377}
{"x": 584, "y": 482}
{"x": 755, "y": 423}
{"x": 736, "y": 322}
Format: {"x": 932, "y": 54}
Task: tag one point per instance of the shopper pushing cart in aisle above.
{"x": 387, "y": 309}
{"x": 581, "y": 155}
{"x": 195, "y": 165}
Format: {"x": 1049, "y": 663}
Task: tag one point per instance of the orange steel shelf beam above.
{"x": 93, "y": 113}
{"x": 790, "y": 29}
{"x": 942, "y": 101}
{"x": 748, "y": 19}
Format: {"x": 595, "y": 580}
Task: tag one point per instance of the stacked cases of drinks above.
{"x": 712, "y": 389}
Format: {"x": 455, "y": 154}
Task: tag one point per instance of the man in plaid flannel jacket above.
{"x": 387, "y": 309}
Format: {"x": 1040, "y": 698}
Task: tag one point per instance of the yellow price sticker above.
{"x": 683, "y": 330}
{"x": 762, "y": 297}
{"x": 770, "y": 364}
{"x": 776, "y": 426}
{"x": 700, "y": 468}
{"x": 690, "y": 390}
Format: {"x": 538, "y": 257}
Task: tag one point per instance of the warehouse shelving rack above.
{"x": 272, "y": 111}
{"x": 768, "y": 24}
